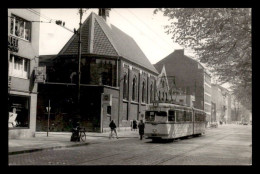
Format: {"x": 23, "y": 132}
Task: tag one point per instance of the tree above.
{"x": 220, "y": 38}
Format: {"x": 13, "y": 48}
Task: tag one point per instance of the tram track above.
{"x": 192, "y": 150}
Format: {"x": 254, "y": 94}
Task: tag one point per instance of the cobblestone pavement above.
{"x": 225, "y": 145}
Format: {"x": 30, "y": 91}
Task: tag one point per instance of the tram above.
{"x": 171, "y": 121}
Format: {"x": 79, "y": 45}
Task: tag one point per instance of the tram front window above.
{"x": 160, "y": 116}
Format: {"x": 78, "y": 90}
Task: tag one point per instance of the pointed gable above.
{"x": 163, "y": 75}
{"x": 98, "y": 38}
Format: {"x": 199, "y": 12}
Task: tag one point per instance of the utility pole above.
{"x": 48, "y": 109}
{"x": 79, "y": 53}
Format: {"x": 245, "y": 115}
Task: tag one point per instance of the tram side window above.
{"x": 179, "y": 116}
{"x": 199, "y": 117}
{"x": 203, "y": 117}
{"x": 196, "y": 116}
{"x": 188, "y": 116}
{"x": 171, "y": 116}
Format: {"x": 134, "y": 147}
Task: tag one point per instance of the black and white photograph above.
{"x": 129, "y": 86}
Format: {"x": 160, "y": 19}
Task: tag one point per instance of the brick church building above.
{"x": 112, "y": 65}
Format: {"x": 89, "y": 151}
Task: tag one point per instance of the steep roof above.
{"x": 174, "y": 57}
{"x": 98, "y": 38}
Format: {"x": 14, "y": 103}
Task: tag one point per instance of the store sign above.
{"x": 40, "y": 74}
{"x": 13, "y": 44}
{"x": 9, "y": 81}
{"x": 107, "y": 99}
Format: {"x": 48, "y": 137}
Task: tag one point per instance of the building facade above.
{"x": 112, "y": 67}
{"x": 23, "y": 53}
{"x": 207, "y": 95}
{"x": 190, "y": 77}
{"x": 221, "y": 102}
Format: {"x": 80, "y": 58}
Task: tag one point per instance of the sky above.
{"x": 140, "y": 23}
{"x": 146, "y": 28}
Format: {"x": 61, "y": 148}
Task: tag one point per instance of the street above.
{"x": 225, "y": 145}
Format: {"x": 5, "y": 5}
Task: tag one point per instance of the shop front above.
{"x": 21, "y": 122}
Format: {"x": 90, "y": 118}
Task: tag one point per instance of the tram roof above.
{"x": 169, "y": 105}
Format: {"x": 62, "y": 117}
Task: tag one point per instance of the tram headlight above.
{"x": 154, "y": 130}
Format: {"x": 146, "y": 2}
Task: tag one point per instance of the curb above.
{"x": 47, "y": 148}
{"x": 57, "y": 147}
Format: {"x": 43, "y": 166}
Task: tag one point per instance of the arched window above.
{"x": 163, "y": 96}
{"x": 125, "y": 87}
{"x": 143, "y": 92}
{"x": 163, "y": 83}
{"x": 151, "y": 92}
{"x": 105, "y": 79}
{"x": 134, "y": 89}
{"x": 159, "y": 98}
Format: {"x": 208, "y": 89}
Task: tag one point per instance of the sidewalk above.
{"x": 61, "y": 140}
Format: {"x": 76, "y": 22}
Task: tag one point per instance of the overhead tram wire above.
{"x": 44, "y": 16}
{"x": 47, "y": 18}
{"x": 39, "y": 14}
{"x": 50, "y": 19}
{"x": 166, "y": 42}
{"x": 140, "y": 30}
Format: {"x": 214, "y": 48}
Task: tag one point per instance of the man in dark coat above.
{"x": 112, "y": 126}
{"x": 141, "y": 127}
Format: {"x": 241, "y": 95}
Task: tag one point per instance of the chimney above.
{"x": 104, "y": 13}
{"x": 179, "y": 52}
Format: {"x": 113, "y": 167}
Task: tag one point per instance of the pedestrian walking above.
{"x": 135, "y": 125}
{"x": 141, "y": 126}
{"x": 112, "y": 126}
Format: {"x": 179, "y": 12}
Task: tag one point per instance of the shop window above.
{"x": 20, "y": 28}
{"x": 18, "y": 66}
{"x": 18, "y": 112}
